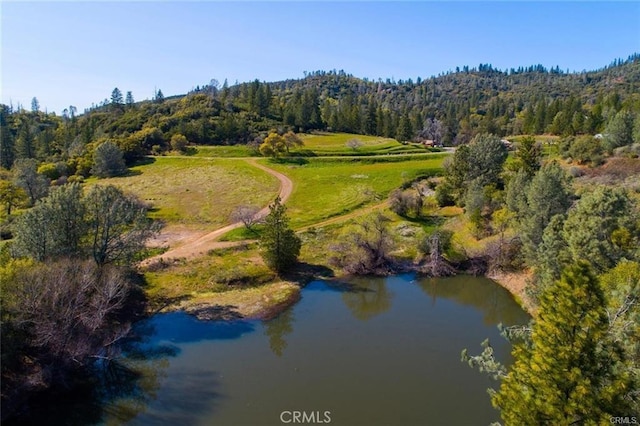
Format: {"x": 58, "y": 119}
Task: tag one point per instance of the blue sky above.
{"x": 75, "y": 53}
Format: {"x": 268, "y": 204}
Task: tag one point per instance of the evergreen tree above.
{"x": 25, "y": 143}
{"x": 619, "y": 132}
{"x": 528, "y": 155}
{"x": 487, "y": 155}
{"x": 129, "y": 99}
{"x": 279, "y": 245}
{"x": 108, "y": 160}
{"x": 405, "y": 131}
{"x": 7, "y": 154}
{"x": 116, "y": 99}
{"x": 35, "y": 105}
{"x": 548, "y": 195}
{"x": 159, "y": 96}
{"x": 570, "y": 373}
{"x": 603, "y": 228}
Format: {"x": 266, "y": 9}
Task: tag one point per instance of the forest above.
{"x": 450, "y": 108}
{"x": 560, "y": 208}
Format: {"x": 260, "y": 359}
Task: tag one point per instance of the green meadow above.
{"x": 335, "y": 144}
{"x": 197, "y": 191}
{"x": 324, "y": 189}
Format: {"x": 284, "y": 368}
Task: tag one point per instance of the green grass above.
{"x": 242, "y": 233}
{"x": 323, "y": 189}
{"x": 224, "y": 151}
{"x": 197, "y": 191}
{"x": 218, "y": 271}
{"x": 334, "y": 144}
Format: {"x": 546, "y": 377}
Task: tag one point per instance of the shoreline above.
{"x": 267, "y": 301}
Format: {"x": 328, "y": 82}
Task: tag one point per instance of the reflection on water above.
{"x": 371, "y": 351}
{"x": 495, "y": 303}
{"x": 369, "y": 298}
{"x": 277, "y": 329}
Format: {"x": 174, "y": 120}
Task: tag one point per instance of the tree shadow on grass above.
{"x": 144, "y": 161}
{"x": 299, "y": 161}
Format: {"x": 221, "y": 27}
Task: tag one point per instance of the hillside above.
{"x": 451, "y": 108}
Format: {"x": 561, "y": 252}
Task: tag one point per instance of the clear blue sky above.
{"x": 75, "y": 53}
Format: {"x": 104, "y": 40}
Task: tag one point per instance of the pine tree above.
{"x": 570, "y": 373}
{"x": 129, "y": 99}
{"x": 528, "y": 155}
{"x": 280, "y": 246}
{"x": 116, "y": 98}
{"x": 603, "y": 228}
{"x": 548, "y": 194}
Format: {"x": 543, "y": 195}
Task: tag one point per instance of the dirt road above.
{"x": 200, "y": 244}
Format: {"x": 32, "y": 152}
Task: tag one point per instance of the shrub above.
{"x": 179, "y": 142}
{"x": 444, "y": 195}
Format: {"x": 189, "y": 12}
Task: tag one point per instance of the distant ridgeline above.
{"x": 469, "y": 101}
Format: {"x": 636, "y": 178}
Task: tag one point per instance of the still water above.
{"x": 375, "y": 351}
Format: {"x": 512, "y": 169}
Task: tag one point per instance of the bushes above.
{"x": 404, "y": 202}
{"x": 583, "y": 149}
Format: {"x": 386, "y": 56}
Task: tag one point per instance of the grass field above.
{"x": 323, "y": 189}
{"x": 218, "y": 271}
{"x": 319, "y": 144}
{"x": 197, "y": 191}
{"x": 224, "y": 151}
{"x": 330, "y": 144}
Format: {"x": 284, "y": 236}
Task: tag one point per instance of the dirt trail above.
{"x": 200, "y": 244}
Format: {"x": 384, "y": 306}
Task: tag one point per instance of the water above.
{"x": 371, "y": 352}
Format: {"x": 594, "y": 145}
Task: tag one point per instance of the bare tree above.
{"x": 433, "y": 130}
{"x": 67, "y": 316}
{"x": 433, "y": 246}
{"x": 25, "y": 176}
{"x": 354, "y": 144}
{"x": 246, "y": 214}
{"x": 367, "y": 249}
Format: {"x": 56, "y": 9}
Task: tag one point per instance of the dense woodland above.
{"x": 462, "y": 104}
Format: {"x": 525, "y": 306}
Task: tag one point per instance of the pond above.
{"x": 374, "y": 351}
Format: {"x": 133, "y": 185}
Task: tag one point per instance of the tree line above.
{"x": 464, "y": 103}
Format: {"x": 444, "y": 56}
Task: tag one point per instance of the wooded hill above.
{"x": 465, "y": 102}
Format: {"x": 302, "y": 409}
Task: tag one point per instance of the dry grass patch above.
{"x": 262, "y": 302}
{"x": 197, "y": 191}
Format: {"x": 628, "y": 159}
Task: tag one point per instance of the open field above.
{"x": 223, "y": 151}
{"x": 330, "y": 144}
{"x": 197, "y": 191}
{"x": 324, "y": 189}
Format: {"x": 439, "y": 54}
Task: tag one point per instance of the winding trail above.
{"x": 198, "y": 244}
{"x": 203, "y": 243}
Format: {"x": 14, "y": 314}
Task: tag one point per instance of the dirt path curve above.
{"x": 203, "y": 243}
